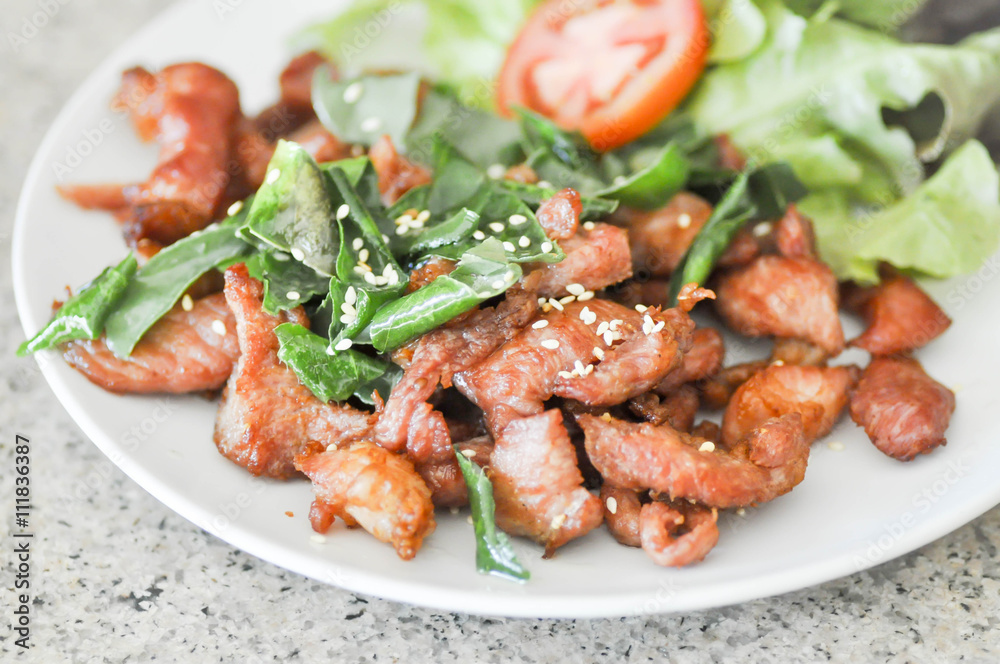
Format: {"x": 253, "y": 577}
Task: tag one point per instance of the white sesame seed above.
{"x": 509, "y": 246}
{"x": 836, "y": 445}
{"x": 343, "y": 344}
{"x": 401, "y": 229}
{"x": 423, "y": 216}
{"x": 588, "y": 316}
{"x": 578, "y": 365}
{"x": 393, "y": 278}
{"x": 509, "y": 275}
{"x": 316, "y": 538}
{"x": 484, "y": 294}
{"x": 369, "y": 125}
{"x": 647, "y": 327}
{"x": 544, "y": 184}
{"x": 330, "y": 351}
{"x": 369, "y": 277}
{"x": 778, "y": 363}
{"x": 348, "y": 309}
{"x": 546, "y": 247}
{"x": 353, "y": 92}
{"x": 555, "y": 304}
{"x": 590, "y": 370}
{"x": 351, "y": 295}
{"x": 762, "y": 229}
{"x": 343, "y": 211}
{"x": 603, "y": 327}
{"x": 741, "y": 511}
{"x": 541, "y": 301}
{"x": 565, "y": 374}
{"x": 219, "y": 327}
{"x": 598, "y": 353}
{"x": 357, "y": 244}
{"x": 468, "y": 454}
{"x": 272, "y": 176}
{"x": 187, "y": 304}
{"x": 469, "y": 519}
{"x": 479, "y": 235}
{"x": 387, "y": 270}
{"x": 615, "y": 324}
{"x": 612, "y": 505}
{"x": 684, "y": 221}
{"x": 585, "y": 295}
{"x": 385, "y": 238}
{"x": 280, "y": 256}
{"x": 348, "y": 319}
{"x": 517, "y": 219}
{"x": 551, "y": 344}
{"x": 546, "y": 307}
{"x": 292, "y": 295}
{"x": 359, "y": 270}
{"x": 523, "y": 241}
{"x": 575, "y": 289}
{"x": 381, "y": 281}
{"x": 235, "y": 208}
{"x": 496, "y": 171}
{"x": 497, "y": 227}
{"x": 498, "y": 284}
{"x": 659, "y": 326}
{"x": 558, "y": 522}
{"x": 641, "y": 308}
{"x": 404, "y": 219}
{"x": 619, "y": 180}
{"x": 363, "y": 255}
{"x": 567, "y": 299}
{"x": 609, "y": 338}
{"x": 589, "y": 226}
{"x": 539, "y": 324}
{"x": 298, "y": 254}
{"x": 707, "y": 446}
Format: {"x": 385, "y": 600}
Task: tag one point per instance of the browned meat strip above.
{"x": 901, "y": 317}
{"x": 560, "y": 214}
{"x": 594, "y": 259}
{"x": 438, "y": 355}
{"x": 783, "y": 297}
{"x": 396, "y": 174}
{"x": 444, "y": 478}
{"x": 678, "y": 409}
{"x": 365, "y": 485}
{"x": 660, "y": 238}
{"x": 718, "y": 390}
{"x": 703, "y": 360}
{"x": 428, "y": 272}
{"x": 182, "y": 352}
{"x": 648, "y": 293}
{"x": 675, "y": 538}
{"x": 621, "y": 513}
{"x": 797, "y": 351}
{"x": 818, "y": 394}
{"x": 904, "y": 411}
{"x": 537, "y": 485}
{"x": 741, "y": 251}
{"x": 769, "y": 463}
{"x": 540, "y": 361}
{"x": 193, "y": 112}
{"x": 794, "y": 236}
{"x": 294, "y": 108}
{"x": 266, "y": 416}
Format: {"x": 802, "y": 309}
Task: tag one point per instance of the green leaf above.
{"x": 287, "y": 282}
{"x": 532, "y": 195}
{"x": 362, "y": 110}
{"x": 162, "y": 281}
{"x": 453, "y": 230}
{"x": 653, "y": 186}
{"x": 494, "y": 554}
{"x": 330, "y": 377}
{"x": 482, "y": 273}
{"x": 382, "y": 384}
{"x": 293, "y": 210}
{"x": 83, "y": 315}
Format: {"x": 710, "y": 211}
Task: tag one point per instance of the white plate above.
{"x": 856, "y": 507}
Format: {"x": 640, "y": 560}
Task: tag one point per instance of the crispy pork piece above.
{"x": 659, "y": 239}
{"x": 703, "y": 360}
{"x": 192, "y": 111}
{"x": 904, "y": 411}
{"x": 717, "y": 390}
{"x": 429, "y": 271}
{"x": 818, "y": 394}
{"x": 783, "y": 297}
{"x": 741, "y": 251}
{"x": 621, "y": 513}
{"x": 183, "y": 352}
{"x": 799, "y": 352}
{"x": 537, "y": 484}
{"x": 368, "y": 486}
{"x": 677, "y": 536}
{"x": 294, "y": 108}
{"x": 768, "y": 463}
{"x": 444, "y": 477}
{"x": 396, "y": 174}
{"x": 648, "y": 293}
{"x": 901, "y": 317}
{"x": 594, "y": 259}
{"x": 560, "y": 214}
{"x": 794, "y": 236}
{"x": 633, "y": 353}
{"x": 677, "y": 408}
{"x": 266, "y": 416}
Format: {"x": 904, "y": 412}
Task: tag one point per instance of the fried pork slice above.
{"x": 560, "y": 214}
{"x": 444, "y": 477}
{"x": 674, "y": 536}
{"x": 621, "y": 513}
{"x": 797, "y": 351}
{"x": 396, "y": 174}
{"x": 294, "y": 108}
{"x": 266, "y": 416}
{"x": 537, "y": 484}
{"x": 368, "y": 486}
{"x": 633, "y": 352}
{"x": 783, "y": 297}
{"x": 659, "y": 239}
{"x": 818, "y": 394}
{"x": 901, "y": 317}
{"x": 183, "y": 352}
{"x": 648, "y": 293}
{"x": 904, "y": 411}
{"x": 717, "y": 390}
{"x": 441, "y": 353}
{"x": 703, "y": 360}
{"x": 193, "y": 112}
{"x": 678, "y": 408}
{"x": 794, "y": 236}
{"x": 768, "y": 463}
{"x": 595, "y": 259}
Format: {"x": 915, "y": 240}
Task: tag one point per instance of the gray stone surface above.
{"x": 120, "y": 578}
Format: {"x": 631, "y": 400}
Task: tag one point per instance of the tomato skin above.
{"x": 647, "y": 92}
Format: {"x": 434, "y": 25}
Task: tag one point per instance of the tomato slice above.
{"x": 610, "y": 69}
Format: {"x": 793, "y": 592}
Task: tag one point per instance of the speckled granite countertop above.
{"x": 120, "y": 578}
